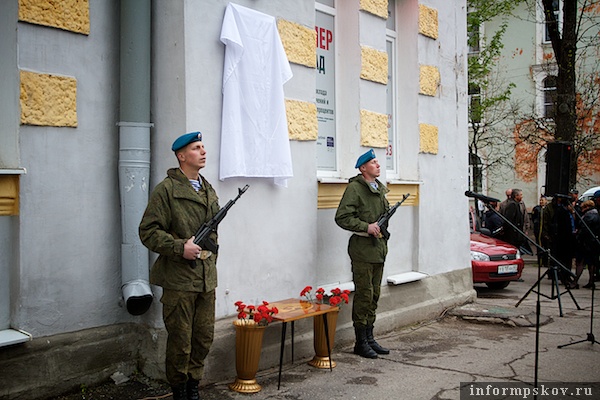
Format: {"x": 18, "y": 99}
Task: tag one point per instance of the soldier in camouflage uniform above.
{"x": 178, "y": 206}
{"x": 362, "y": 204}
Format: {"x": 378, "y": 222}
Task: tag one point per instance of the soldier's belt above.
{"x": 363, "y": 234}
{"x": 204, "y": 254}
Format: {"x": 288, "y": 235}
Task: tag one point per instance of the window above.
{"x": 475, "y": 173}
{"x": 474, "y": 44}
{"x": 390, "y": 154}
{"x": 474, "y": 39}
{"x": 10, "y": 113}
{"x": 474, "y": 28}
{"x": 390, "y": 23}
{"x": 325, "y": 86}
{"x": 475, "y": 111}
{"x": 556, "y": 6}
{"x": 549, "y": 89}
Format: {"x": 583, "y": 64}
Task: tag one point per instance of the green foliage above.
{"x": 487, "y": 10}
{"x": 490, "y": 104}
{"x": 482, "y": 63}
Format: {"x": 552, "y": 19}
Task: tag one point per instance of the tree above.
{"x": 573, "y": 33}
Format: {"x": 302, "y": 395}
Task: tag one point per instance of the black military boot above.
{"x": 192, "y": 390}
{"x": 373, "y": 344}
{"x": 361, "y": 347}
{"x": 179, "y": 392}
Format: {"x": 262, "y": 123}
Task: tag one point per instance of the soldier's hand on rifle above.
{"x": 191, "y": 250}
{"x": 374, "y": 230}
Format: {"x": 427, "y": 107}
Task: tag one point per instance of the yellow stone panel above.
{"x": 48, "y": 100}
{"x": 299, "y": 43}
{"x": 398, "y": 190}
{"x": 428, "y": 138}
{"x": 9, "y": 195}
{"x": 429, "y": 80}
{"x": 374, "y": 65}
{"x": 428, "y": 21}
{"x": 302, "y": 120}
{"x": 373, "y": 129}
{"x": 330, "y": 194}
{"x": 70, "y": 15}
{"x": 375, "y": 7}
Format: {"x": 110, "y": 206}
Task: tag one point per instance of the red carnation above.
{"x": 305, "y": 290}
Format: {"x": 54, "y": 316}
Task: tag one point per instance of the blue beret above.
{"x": 186, "y": 139}
{"x": 368, "y": 156}
{"x": 597, "y": 194}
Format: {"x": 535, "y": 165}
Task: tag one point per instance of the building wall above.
{"x": 275, "y": 241}
{"x": 517, "y": 58}
{"x": 442, "y": 167}
{"x": 69, "y": 272}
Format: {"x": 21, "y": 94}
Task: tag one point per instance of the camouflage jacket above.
{"x": 360, "y": 206}
{"x": 173, "y": 215}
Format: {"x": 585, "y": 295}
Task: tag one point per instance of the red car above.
{"x": 494, "y": 262}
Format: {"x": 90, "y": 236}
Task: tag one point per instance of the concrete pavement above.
{"x": 489, "y": 340}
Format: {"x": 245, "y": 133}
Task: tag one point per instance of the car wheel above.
{"x": 497, "y": 285}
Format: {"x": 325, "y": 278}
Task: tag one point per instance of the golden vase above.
{"x": 321, "y": 358}
{"x": 248, "y": 345}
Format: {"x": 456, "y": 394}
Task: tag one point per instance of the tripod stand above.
{"x": 553, "y": 273}
{"x": 590, "y": 336}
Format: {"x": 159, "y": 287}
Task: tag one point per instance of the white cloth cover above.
{"x": 254, "y": 138}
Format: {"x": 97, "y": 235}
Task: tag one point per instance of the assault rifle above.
{"x": 383, "y": 221}
{"x": 202, "y": 238}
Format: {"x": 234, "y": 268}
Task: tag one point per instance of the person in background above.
{"x": 536, "y": 220}
{"x": 177, "y": 207}
{"x": 474, "y": 221}
{"x": 493, "y": 221}
{"x": 558, "y": 230}
{"x": 513, "y": 212}
{"x": 361, "y": 206}
{"x": 527, "y": 226}
{"x": 503, "y": 204}
{"x": 596, "y": 199}
{"x": 587, "y": 236}
{"x": 574, "y": 194}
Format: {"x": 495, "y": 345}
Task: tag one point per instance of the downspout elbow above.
{"x": 138, "y": 296}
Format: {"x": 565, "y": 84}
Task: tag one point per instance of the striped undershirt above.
{"x": 196, "y": 184}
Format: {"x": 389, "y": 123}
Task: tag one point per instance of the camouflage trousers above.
{"x": 367, "y": 289}
{"x": 189, "y": 318}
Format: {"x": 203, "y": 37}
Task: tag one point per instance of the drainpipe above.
{"x": 134, "y": 150}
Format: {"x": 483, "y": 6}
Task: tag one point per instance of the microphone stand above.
{"x": 537, "y": 307}
{"x": 553, "y": 268}
{"x": 590, "y": 336}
